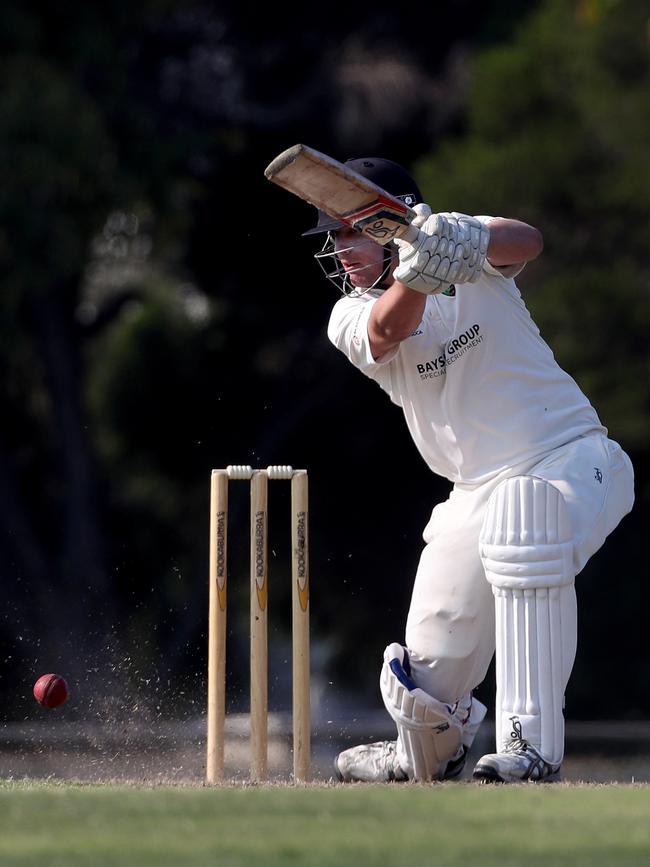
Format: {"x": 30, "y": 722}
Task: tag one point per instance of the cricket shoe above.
{"x": 518, "y": 763}
{"x": 370, "y": 763}
{"x": 377, "y": 763}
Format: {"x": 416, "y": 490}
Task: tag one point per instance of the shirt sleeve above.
{"x": 348, "y": 331}
{"x": 504, "y": 270}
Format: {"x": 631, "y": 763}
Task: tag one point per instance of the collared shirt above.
{"x": 480, "y": 389}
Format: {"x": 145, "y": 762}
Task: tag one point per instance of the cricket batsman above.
{"x": 440, "y": 325}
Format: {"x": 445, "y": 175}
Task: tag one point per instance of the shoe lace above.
{"x": 389, "y": 750}
{"x": 390, "y": 757}
{"x": 516, "y": 744}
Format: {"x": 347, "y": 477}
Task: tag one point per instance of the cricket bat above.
{"x": 342, "y": 193}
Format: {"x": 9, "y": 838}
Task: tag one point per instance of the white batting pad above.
{"x": 527, "y": 551}
{"x": 428, "y": 734}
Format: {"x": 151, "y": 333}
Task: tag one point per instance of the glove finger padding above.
{"x": 428, "y": 733}
{"x": 423, "y": 212}
{"x": 451, "y": 248}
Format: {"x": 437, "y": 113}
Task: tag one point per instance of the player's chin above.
{"x": 360, "y": 281}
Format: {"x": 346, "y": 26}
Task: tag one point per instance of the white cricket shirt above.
{"x": 479, "y": 387}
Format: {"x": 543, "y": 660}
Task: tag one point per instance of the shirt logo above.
{"x": 450, "y": 292}
{"x": 455, "y": 349}
{"x": 598, "y": 476}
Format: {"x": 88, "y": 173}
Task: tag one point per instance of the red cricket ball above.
{"x": 50, "y": 690}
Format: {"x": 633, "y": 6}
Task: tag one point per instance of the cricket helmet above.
{"x": 389, "y": 176}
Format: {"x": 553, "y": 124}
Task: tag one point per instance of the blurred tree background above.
{"x": 161, "y": 316}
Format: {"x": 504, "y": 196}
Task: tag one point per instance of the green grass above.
{"x": 46, "y": 823}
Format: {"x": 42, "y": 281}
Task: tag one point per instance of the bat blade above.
{"x": 342, "y": 193}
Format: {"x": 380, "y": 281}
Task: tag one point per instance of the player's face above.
{"x": 362, "y": 259}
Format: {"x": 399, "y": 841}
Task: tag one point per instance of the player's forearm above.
{"x": 512, "y": 242}
{"x": 395, "y": 316}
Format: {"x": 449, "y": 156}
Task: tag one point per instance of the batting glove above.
{"x": 451, "y": 248}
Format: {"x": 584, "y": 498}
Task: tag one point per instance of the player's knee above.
{"x": 451, "y": 646}
{"x": 526, "y": 540}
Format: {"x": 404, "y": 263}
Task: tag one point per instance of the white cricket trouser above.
{"x": 450, "y": 629}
